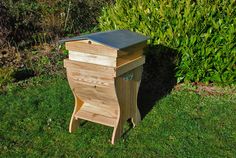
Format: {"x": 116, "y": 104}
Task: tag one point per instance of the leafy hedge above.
{"x": 203, "y": 32}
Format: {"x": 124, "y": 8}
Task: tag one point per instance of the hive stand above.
{"x": 105, "y": 83}
{"x": 109, "y": 101}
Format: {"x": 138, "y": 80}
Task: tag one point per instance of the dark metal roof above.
{"x": 118, "y": 39}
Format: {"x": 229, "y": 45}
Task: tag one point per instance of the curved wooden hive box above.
{"x": 105, "y": 82}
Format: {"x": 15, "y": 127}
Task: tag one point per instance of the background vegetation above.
{"x": 30, "y": 29}
{"x": 191, "y": 40}
{"x": 202, "y": 32}
{"x": 37, "y": 21}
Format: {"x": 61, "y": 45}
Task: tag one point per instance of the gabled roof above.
{"x": 118, "y": 39}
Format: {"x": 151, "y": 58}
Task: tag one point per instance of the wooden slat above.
{"x": 92, "y": 58}
{"x": 130, "y": 65}
{"x": 109, "y": 103}
{"x": 96, "y": 92}
{"x": 94, "y": 114}
{"x": 91, "y": 68}
{"x": 90, "y": 78}
{"x": 129, "y": 57}
{"x": 92, "y": 73}
{"x": 132, "y": 49}
{"x": 91, "y": 48}
{"x": 105, "y": 70}
{"x": 105, "y": 110}
{"x": 104, "y": 60}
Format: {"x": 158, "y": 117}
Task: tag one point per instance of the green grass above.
{"x": 34, "y": 123}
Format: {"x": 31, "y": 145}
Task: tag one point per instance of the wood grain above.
{"x": 105, "y": 84}
{"x": 89, "y": 68}
{"x": 106, "y": 115}
{"x": 127, "y": 93}
{"x": 92, "y": 58}
{"x": 132, "y": 64}
{"x": 132, "y": 49}
{"x": 129, "y": 57}
{"x": 91, "y": 48}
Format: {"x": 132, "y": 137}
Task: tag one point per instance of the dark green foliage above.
{"x": 45, "y": 60}
{"x": 203, "y": 32}
{"x": 37, "y": 21}
{"x": 28, "y": 23}
{"x": 34, "y": 123}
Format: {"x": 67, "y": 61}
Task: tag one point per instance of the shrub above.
{"x": 201, "y": 31}
{"x": 6, "y": 76}
{"x": 37, "y": 21}
{"x": 28, "y": 26}
{"x": 45, "y": 60}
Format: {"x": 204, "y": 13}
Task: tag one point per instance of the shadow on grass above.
{"x": 158, "y": 77}
{"x": 23, "y": 74}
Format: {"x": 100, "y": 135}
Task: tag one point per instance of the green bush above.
{"x": 201, "y": 31}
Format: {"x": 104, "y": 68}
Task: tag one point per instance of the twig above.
{"x": 67, "y": 16}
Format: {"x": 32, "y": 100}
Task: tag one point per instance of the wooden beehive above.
{"x": 104, "y": 73}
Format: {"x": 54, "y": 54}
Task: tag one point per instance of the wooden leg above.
{"x": 74, "y": 123}
{"x": 136, "y": 118}
{"x": 127, "y": 93}
{"x": 117, "y": 132}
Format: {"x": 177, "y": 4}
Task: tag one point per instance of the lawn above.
{"x": 34, "y": 123}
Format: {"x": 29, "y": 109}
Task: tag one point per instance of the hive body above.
{"x": 105, "y": 83}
